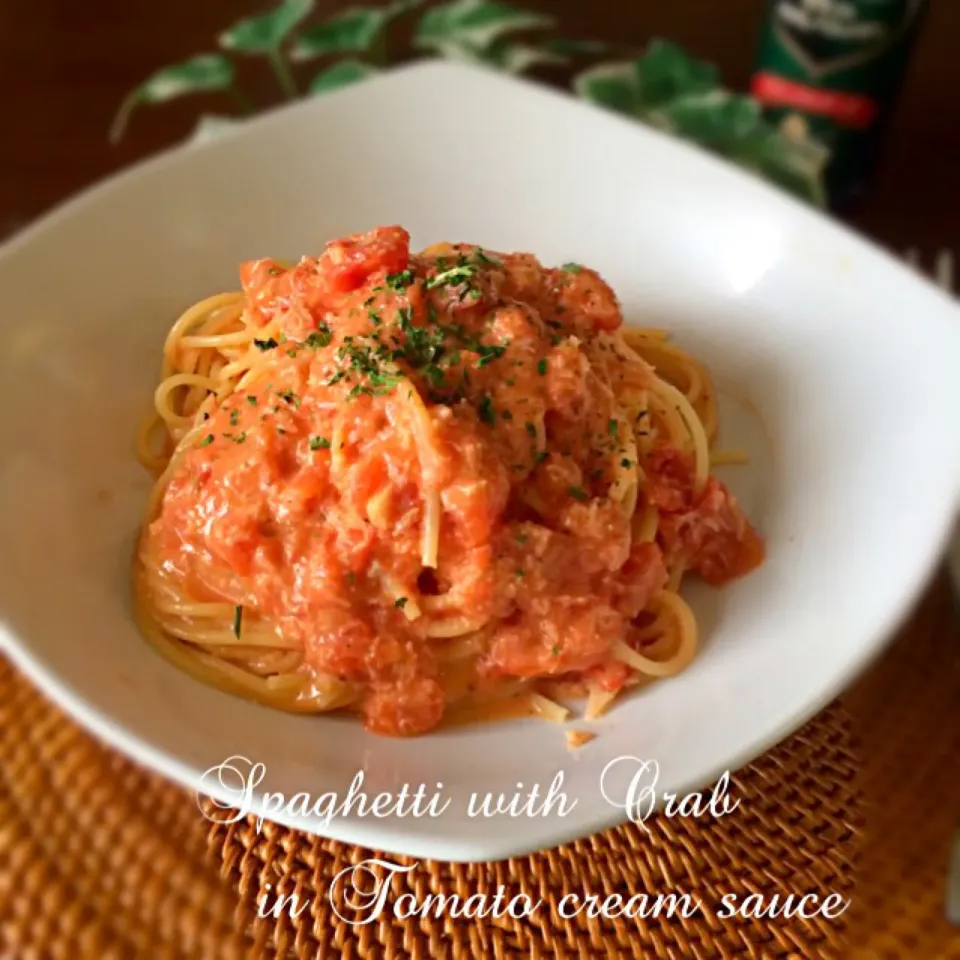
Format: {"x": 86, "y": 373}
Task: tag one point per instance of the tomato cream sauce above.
{"x": 484, "y": 378}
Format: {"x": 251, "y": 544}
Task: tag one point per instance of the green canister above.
{"x": 835, "y": 67}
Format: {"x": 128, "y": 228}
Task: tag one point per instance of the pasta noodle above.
{"x": 428, "y": 488}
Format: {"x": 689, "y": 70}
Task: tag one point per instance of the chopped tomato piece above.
{"x": 715, "y": 535}
{"x": 347, "y": 263}
{"x": 610, "y": 677}
{"x": 405, "y": 708}
{"x": 585, "y": 293}
{"x": 670, "y": 476}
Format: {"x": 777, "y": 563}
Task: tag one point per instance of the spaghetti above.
{"x": 428, "y": 488}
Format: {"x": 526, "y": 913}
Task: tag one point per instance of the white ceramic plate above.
{"x": 839, "y": 366}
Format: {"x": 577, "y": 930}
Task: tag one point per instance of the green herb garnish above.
{"x": 489, "y": 354}
{"x": 434, "y": 374}
{"x": 424, "y": 345}
{"x": 485, "y": 410}
{"x": 368, "y": 362}
{"x": 455, "y": 275}
{"x": 319, "y": 443}
{"x": 485, "y": 257}
{"x": 320, "y": 337}
{"x": 401, "y": 280}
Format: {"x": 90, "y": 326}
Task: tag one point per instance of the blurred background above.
{"x": 65, "y": 67}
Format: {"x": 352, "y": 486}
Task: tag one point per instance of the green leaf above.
{"x": 795, "y": 133}
{"x": 734, "y": 127}
{"x": 514, "y": 58}
{"x": 663, "y": 74}
{"x": 612, "y": 85}
{"x": 666, "y": 72}
{"x": 717, "y": 119}
{"x": 399, "y": 7}
{"x": 474, "y": 24}
{"x": 519, "y": 57}
{"x": 341, "y": 75}
{"x": 265, "y": 33}
{"x": 354, "y": 30}
{"x": 564, "y": 47}
{"x": 671, "y": 90}
{"x": 210, "y": 126}
{"x": 208, "y": 71}
{"x": 796, "y": 166}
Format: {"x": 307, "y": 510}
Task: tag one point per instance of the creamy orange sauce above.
{"x": 304, "y": 501}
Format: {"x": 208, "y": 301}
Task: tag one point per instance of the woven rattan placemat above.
{"x": 99, "y": 859}
{"x": 790, "y": 835}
